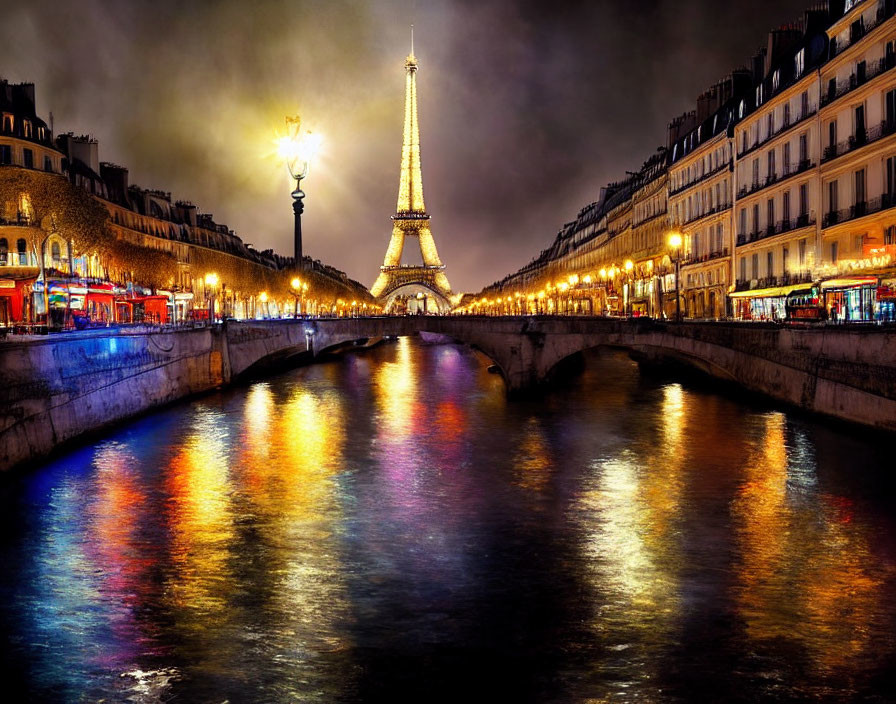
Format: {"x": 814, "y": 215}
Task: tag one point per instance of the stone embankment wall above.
{"x": 57, "y": 388}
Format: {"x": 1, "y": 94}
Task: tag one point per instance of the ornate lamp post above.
{"x": 675, "y": 245}
{"x": 298, "y": 149}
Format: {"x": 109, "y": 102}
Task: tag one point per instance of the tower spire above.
{"x": 411, "y": 219}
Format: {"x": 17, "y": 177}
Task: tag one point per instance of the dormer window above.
{"x": 776, "y": 79}
{"x": 8, "y": 122}
{"x": 799, "y": 63}
{"x": 26, "y": 128}
{"x": 759, "y": 95}
{"x": 741, "y": 109}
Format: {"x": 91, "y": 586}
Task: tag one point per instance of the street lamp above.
{"x": 296, "y": 291}
{"x": 211, "y": 281}
{"x": 297, "y": 150}
{"x": 263, "y": 297}
{"x": 675, "y": 244}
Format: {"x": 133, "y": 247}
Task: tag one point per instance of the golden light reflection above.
{"x": 801, "y": 578}
{"x": 396, "y": 392}
{"x": 121, "y": 562}
{"x": 200, "y": 516}
{"x": 533, "y": 462}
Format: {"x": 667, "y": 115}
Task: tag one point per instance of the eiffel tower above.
{"x": 422, "y": 282}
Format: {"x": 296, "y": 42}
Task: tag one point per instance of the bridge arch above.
{"x": 412, "y": 289}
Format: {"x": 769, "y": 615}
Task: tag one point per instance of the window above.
{"x": 771, "y": 167}
{"x": 28, "y": 158}
{"x": 755, "y": 173}
{"x": 759, "y": 96}
{"x": 776, "y": 79}
{"x": 4, "y": 250}
{"x": 890, "y": 108}
{"x": 799, "y": 63}
{"x": 55, "y": 254}
{"x": 754, "y": 266}
{"x": 22, "y": 249}
{"x": 770, "y": 125}
{"x": 804, "y": 149}
{"x": 785, "y": 255}
{"x": 743, "y": 268}
{"x": 770, "y": 214}
{"x": 743, "y": 222}
{"x": 48, "y": 164}
{"x": 832, "y": 197}
{"x": 802, "y": 253}
{"x": 804, "y": 103}
{"x": 860, "y": 192}
{"x": 785, "y": 207}
{"x": 26, "y": 128}
{"x": 804, "y": 199}
{"x": 834, "y": 252}
{"x": 785, "y": 166}
{"x": 756, "y": 217}
{"x": 832, "y": 134}
{"x": 860, "y": 123}
{"x": 5, "y": 154}
{"x": 861, "y": 69}
{"x": 769, "y": 264}
{"x": 786, "y": 114}
{"x": 891, "y": 181}
{"x": 741, "y": 110}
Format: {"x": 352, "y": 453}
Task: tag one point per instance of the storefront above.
{"x": 850, "y": 300}
{"x": 764, "y": 304}
{"x": 12, "y": 300}
{"x": 886, "y": 301}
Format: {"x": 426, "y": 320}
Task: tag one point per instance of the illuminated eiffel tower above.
{"x": 426, "y": 281}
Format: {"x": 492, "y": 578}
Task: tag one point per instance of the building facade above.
{"x": 780, "y": 191}
{"x": 146, "y": 247}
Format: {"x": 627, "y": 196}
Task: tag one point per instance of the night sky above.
{"x": 526, "y": 108}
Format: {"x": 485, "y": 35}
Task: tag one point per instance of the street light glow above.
{"x": 211, "y": 279}
{"x": 675, "y": 240}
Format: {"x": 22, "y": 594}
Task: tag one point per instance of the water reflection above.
{"x": 389, "y": 524}
{"x": 806, "y": 573}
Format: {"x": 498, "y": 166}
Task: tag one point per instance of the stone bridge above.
{"x": 59, "y": 387}
{"x": 845, "y": 372}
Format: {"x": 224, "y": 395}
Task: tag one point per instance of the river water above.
{"x": 388, "y": 527}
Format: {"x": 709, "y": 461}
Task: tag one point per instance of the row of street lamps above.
{"x": 675, "y": 242}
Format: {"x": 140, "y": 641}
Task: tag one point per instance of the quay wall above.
{"x": 56, "y": 388}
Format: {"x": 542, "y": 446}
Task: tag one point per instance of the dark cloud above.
{"x": 526, "y": 108}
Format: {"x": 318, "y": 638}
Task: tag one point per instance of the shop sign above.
{"x": 7, "y": 283}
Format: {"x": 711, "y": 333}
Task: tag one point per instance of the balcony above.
{"x": 705, "y": 177}
{"x": 779, "y": 228}
{"x": 792, "y": 122}
{"x": 789, "y": 279}
{"x": 859, "y": 140}
{"x": 706, "y": 213}
{"x": 786, "y": 172}
{"x": 858, "y": 210}
{"x": 837, "y": 90}
{"x": 707, "y": 257}
{"x": 860, "y": 30}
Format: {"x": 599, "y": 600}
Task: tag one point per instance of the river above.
{"x": 387, "y": 526}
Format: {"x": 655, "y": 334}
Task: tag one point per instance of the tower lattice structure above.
{"x": 411, "y": 218}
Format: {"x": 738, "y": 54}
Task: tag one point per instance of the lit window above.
{"x": 799, "y": 63}
{"x": 776, "y": 79}
{"x": 759, "y": 95}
